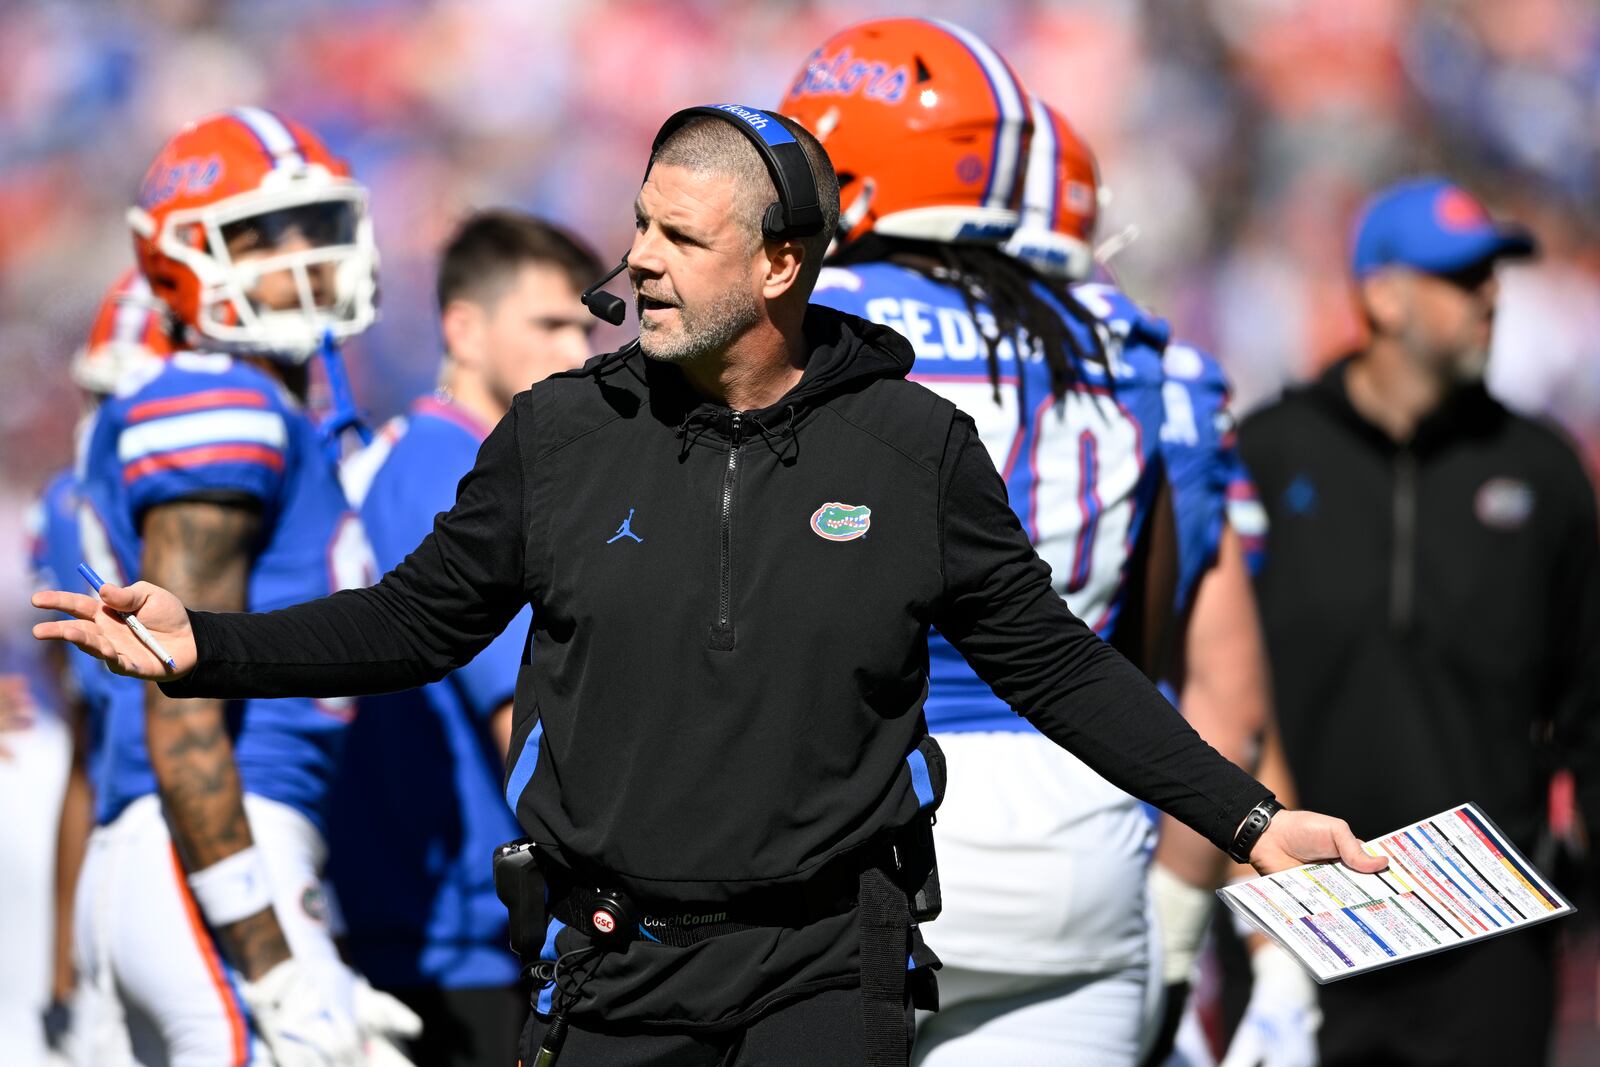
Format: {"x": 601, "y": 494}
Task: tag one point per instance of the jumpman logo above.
{"x": 626, "y": 530}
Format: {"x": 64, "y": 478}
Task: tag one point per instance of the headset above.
{"x": 796, "y": 213}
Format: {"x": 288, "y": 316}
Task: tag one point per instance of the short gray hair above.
{"x": 712, "y": 146}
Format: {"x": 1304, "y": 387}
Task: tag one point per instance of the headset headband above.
{"x": 797, "y": 213}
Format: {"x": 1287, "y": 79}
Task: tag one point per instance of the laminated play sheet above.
{"x": 1451, "y": 880}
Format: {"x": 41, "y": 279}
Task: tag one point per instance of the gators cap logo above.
{"x": 1457, "y": 211}
{"x": 834, "y": 521}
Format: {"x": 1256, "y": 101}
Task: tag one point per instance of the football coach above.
{"x": 735, "y": 533}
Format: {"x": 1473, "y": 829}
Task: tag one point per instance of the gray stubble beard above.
{"x": 703, "y": 332}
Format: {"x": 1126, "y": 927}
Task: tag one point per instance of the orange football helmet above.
{"x": 1061, "y": 199}
{"x": 131, "y": 329}
{"x": 253, "y": 179}
{"x": 925, "y": 124}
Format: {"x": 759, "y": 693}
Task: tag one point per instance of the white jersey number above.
{"x": 1086, "y": 460}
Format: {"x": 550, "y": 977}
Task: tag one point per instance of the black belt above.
{"x": 873, "y": 889}
{"x": 683, "y": 923}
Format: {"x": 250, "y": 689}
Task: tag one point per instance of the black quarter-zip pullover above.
{"x": 728, "y": 655}
{"x": 1431, "y": 607}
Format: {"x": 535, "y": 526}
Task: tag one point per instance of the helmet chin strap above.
{"x": 851, "y": 216}
{"x": 1117, "y": 242}
{"x": 342, "y": 414}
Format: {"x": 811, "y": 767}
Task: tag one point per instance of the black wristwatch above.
{"x": 1250, "y": 831}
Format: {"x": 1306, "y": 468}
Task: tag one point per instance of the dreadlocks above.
{"x": 1011, "y": 292}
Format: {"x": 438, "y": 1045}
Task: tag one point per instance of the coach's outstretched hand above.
{"x": 99, "y": 628}
{"x": 1296, "y": 837}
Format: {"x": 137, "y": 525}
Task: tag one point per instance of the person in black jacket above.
{"x": 735, "y": 534}
{"x": 1431, "y": 598}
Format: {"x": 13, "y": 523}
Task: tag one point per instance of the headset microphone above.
{"x": 796, "y": 213}
{"x": 603, "y": 305}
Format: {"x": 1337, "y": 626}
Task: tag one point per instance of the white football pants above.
{"x": 154, "y": 988}
{"x": 32, "y": 783}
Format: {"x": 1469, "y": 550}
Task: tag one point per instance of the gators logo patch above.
{"x": 834, "y": 521}
{"x": 315, "y": 903}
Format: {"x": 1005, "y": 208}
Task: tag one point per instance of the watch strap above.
{"x": 1250, "y": 831}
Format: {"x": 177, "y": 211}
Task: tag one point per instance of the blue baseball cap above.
{"x": 1432, "y": 225}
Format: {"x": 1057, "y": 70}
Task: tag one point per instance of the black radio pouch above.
{"x": 520, "y": 885}
{"x": 919, "y": 868}
{"x": 916, "y": 865}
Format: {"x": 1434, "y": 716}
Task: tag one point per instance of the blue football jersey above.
{"x": 55, "y": 552}
{"x": 207, "y": 425}
{"x": 1081, "y": 473}
{"x": 1210, "y": 486}
{"x": 418, "y": 809}
{"x": 58, "y": 499}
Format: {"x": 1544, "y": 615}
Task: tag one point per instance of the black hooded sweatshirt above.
{"x": 728, "y": 655}
{"x": 1432, "y": 608}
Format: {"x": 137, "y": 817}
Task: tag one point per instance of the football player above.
{"x": 1219, "y": 668}
{"x": 419, "y": 806}
{"x": 201, "y": 902}
{"x": 35, "y": 754}
{"x": 1042, "y": 862}
{"x": 131, "y": 331}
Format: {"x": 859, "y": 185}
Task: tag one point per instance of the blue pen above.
{"x": 144, "y": 636}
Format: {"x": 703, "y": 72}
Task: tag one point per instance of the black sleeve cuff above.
{"x": 194, "y": 684}
{"x": 1254, "y": 824}
{"x": 1222, "y": 835}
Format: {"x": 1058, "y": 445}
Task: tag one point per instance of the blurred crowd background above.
{"x": 1237, "y": 136}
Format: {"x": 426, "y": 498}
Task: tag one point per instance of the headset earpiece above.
{"x": 773, "y": 224}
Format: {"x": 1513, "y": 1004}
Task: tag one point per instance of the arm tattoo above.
{"x": 202, "y": 552}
